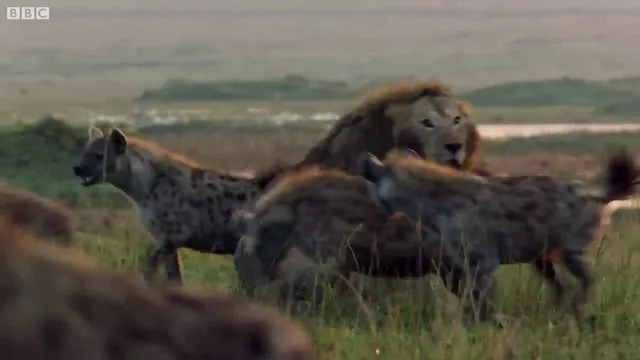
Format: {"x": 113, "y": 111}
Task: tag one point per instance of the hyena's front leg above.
{"x": 481, "y": 286}
{"x": 166, "y": 253}
{"x": 249, "y": 268}
{"x": 303, "y": 286}
{"x": 172, "y": 266}
{"x": 303, "y": 277}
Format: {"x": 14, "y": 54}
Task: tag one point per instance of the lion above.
{"x": 423, "y": 116}
{"x": 59, "y": 304}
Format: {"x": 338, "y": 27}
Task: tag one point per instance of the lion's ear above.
{"x": 464, "y": 107}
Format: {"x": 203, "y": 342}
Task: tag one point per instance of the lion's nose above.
{"x": 453, "y": 147}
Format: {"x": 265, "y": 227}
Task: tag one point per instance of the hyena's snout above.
{"x": 79, "y": 171}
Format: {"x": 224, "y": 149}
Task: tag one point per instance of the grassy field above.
{"x": 403, "y": 319}
{"x": 93, "y": 58}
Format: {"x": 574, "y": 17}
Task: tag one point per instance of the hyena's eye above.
{"x": 457, "y": 120}
{"x": 427, "y": 123}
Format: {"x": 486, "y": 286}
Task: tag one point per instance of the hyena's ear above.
{"x": 119, "y": 141}
{"x": 95, "y": 133}
{"x": 373, "y": 170}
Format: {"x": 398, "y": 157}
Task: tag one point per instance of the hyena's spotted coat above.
{"x": 181, "y": 203}
{"x": 321, "y": 224}
{"x": 500, "y": 220}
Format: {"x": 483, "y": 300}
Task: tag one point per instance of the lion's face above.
{"x": 438, "y": 128}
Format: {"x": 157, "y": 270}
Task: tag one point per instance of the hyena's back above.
{"x": 542, "y": 212}
{"x": 59, "y": 305}
{"x": 324, "y": 220}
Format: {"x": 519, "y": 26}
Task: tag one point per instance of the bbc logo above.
{"x": 27, "y": 13}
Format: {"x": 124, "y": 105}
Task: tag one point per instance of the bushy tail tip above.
{"x": 621, "y": 175}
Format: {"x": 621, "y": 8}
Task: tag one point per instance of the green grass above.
{"x": 403, "y": 321}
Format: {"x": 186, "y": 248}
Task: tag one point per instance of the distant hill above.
{"x": 619, "y": 96}
{"x": 626, "y": 108}
{"x": 291, "y": 87}
{"x": 556, "y": 92}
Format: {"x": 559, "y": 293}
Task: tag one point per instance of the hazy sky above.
{"x": 470, "y": 41}
{"x": 351, "y": 4}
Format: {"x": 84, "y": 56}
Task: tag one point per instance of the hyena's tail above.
{"x": 621, "y": 176}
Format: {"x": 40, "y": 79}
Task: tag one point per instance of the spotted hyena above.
{"x": 501, "y": 220}
{"x": 181, "y": 203}
{"x": 318, "y": 225}
{"x": 58, "y": 304}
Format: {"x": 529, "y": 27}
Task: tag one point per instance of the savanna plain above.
{"x": 407, "y": 319}
{"x": 231, "y": 123}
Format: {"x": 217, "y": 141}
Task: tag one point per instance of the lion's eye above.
{"x": 427, "y": 123}
{"x": 457, "y": 120}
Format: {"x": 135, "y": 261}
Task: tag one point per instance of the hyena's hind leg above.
{"x": 577, "y": 265}
{"x": 545, "y": 268}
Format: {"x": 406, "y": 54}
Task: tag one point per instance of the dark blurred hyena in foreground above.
{"x": 501, "y": 220}
{"x": 43, "y": 217}
{"x": 57, "y": 304}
